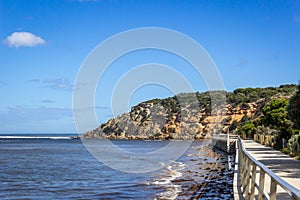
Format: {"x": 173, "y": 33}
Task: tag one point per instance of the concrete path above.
{"x": 282, "y": 165}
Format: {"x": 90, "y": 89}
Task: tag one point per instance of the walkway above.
{"x": 282, "y": 165}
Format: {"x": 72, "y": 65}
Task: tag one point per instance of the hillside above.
{"x": 162, "y": 119}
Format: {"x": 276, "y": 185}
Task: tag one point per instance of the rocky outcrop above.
{"x": 168, "y": 119}
{"x": 149, "y": 121}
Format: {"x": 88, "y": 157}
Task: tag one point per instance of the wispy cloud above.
{"x": 101, "y": 107}
{"x": 54, "y": 83}
{"x": 34, "y": 114}
{"x": 83, "y": 1}
{"x": 2, "y": 83}
{"x": 297, "y": 19}
{"x": 58, "y": 84}
{"x": 83, "y": 109}
{"x": 34, "y": 80}
{"x": 29, "y": 17}
{"x": 24, "y": 39}
{"x": 267, "y": 18}
{"x": 47, "y": 101}
{"x": 242, "y": 62}
{"x": 271, "y": 56}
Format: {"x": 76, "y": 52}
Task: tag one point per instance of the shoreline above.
{"x": 212, "y": 179}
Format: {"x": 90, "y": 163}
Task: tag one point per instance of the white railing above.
{"x": 226, "y": 137}
{"x": 248, "y": 168}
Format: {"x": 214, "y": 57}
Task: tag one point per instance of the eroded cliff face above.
{"x": 195, "y": 117}
{"x": 153, "y": 121}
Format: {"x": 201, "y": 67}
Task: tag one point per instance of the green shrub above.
{"x": 294, "y": 109}
{"x": 246, "y": 128}
{"x": 293, "y": 145}
{"x": 285, "y": 150}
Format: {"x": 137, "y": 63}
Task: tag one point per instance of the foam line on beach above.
{"x": 35, "y": 137}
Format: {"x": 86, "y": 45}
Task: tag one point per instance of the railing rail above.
{"x": 228, "y": 138}
{"x": 247, "y": 173}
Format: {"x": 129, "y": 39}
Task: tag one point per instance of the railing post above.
{"x": 244, "y": 172}
{"x": 261, "y": 184}
{"x": 243, "y": 169}
{"x": 273, "y": 188}
{"x": 294, "y": 196}
{"x": 241, "y": 164}
{"x": 240, "y": 159}
{"x": 253, "y": 180}
{"x": 228, "y": 142}
{"x": 247, "y": 175}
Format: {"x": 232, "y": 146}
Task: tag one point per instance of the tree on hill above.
{"x": 294, "y": 109}
{"x": 246, "y": 128}
{"x": 275, "y": 113}
{"x": 276, "y": 116}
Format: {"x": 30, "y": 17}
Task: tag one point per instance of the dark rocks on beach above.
{"x": 213, "y": 180}
{"x": 75, "y": 137}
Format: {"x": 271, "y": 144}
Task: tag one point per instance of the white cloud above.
{"x": 25, "y": 39}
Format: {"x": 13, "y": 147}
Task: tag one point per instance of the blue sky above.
{"x": 43, "y": 44}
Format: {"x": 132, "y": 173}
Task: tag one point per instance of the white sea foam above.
{"x": 171, "y": 193}
{"x": 171, "y": 173}
{"x": 161, "y": 182}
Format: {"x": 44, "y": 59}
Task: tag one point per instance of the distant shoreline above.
{"x": 40, "y": 136}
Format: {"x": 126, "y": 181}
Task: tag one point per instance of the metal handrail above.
{"x": 224, "y": 136}
{"x": 226, "y": 144}
{"x": 291, "y": 190}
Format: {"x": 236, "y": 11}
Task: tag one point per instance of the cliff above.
{"x": 162, "y": 119}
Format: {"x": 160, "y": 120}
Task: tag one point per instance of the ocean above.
{"x": 58, "y": 167}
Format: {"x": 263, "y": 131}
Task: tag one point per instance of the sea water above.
{"x": 58, "y": 167}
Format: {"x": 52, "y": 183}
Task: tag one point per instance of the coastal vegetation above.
{"x": 270, "y": 115}
{"x": 279, "y": 124}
